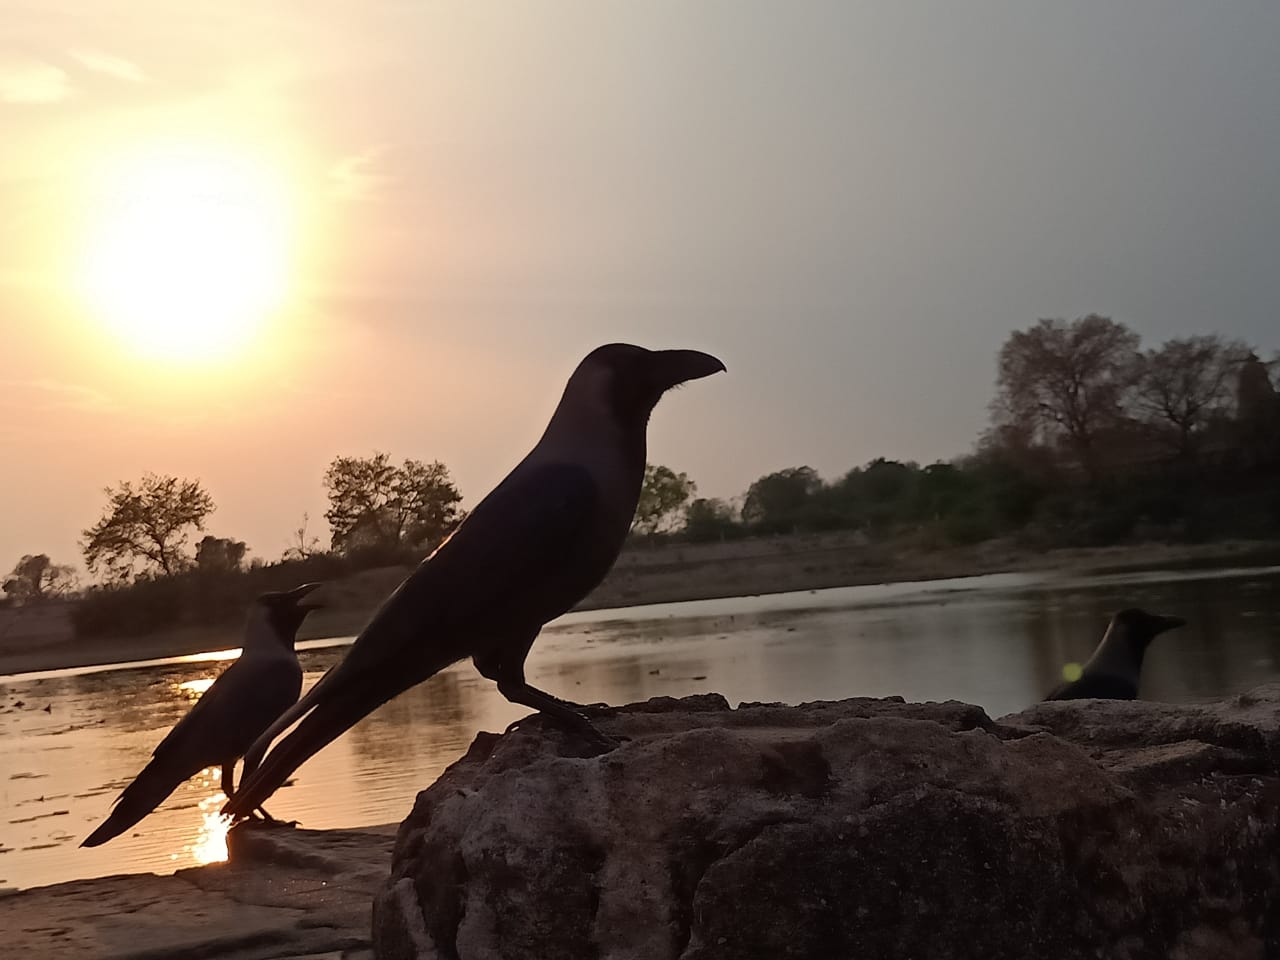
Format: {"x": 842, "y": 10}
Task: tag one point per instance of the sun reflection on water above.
{"x": 211, "y": 843}
{"x": 196, "y": 687}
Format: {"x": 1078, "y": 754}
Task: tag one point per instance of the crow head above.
{"x": 631, "y": 380}
{"x": 286, "y": 610}
{"x": 1142, "y": 627}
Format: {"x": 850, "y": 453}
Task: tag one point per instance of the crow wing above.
{"x": 244, "y": 700}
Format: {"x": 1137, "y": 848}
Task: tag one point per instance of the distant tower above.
{"x": 1255, "y": 394}
{"x": 1257, "y": 411}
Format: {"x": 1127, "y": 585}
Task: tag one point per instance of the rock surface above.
{"x": 864, "y": 828}
{"x": 296, "y": 894}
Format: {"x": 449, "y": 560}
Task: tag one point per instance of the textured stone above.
{"x": 864, "y": 828}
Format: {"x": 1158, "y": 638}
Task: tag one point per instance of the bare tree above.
{"x": 303, "y": 545}
{"x": 146, "y": 525}
{"x": 1068, "y": 381}
{"x": 1184, "y": 384}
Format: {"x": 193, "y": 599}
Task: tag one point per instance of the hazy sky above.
{"x": 851, "y": 203}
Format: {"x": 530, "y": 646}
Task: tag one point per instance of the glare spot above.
{"x": 217, "y": 655}
{"x": 211, "y": 843}
{"x": 191, "y": 250}
{"x": 1071, "y": 672}
{"x": 194, "y": 688}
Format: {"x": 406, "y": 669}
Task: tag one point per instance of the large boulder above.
{"x": 861, "y": 829}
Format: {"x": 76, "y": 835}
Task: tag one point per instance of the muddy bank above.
{"x": 43, "y": 640}
{"x": 287, "y": 893}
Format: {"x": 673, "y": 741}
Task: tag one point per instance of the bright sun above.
{"x": 190, "y": 252}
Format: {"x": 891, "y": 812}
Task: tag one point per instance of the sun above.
{"x": 189, "y": 252}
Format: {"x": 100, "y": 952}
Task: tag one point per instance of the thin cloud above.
{"x": 353, "y": 177}
{"x": 33, "y": 82}
{"x": 109, "y": 65}
{"x": 45, "y": 394}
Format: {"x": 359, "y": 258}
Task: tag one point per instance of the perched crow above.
{"x": 529, "y": 551}
{"x": 1113, "y": 670}
{"x": 262, "y": 683}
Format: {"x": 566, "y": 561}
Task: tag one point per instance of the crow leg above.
{"x": 229, "y": 777}
{"x": 271, "y": 821}
{"x": 506, "y": 666}
{"x": 518, "y": 691}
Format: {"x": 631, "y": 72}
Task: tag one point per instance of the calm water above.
{"x": 999, "y": 641}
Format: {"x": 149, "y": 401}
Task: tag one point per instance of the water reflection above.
{"x": 211, "y": 839}
{"x": 194, "y": 688}
{"x": 998, "y": 641}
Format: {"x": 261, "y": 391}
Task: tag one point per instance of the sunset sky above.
{"x": 238, "y": 240}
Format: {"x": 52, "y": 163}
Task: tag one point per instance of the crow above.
{"x": 1113, "y": 670}
{"x": 251, "y": 693}
{"x": 528, "y": 552}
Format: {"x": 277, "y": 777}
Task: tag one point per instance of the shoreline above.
{"x": 664, "y": 574}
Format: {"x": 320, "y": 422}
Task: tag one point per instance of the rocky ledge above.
{"x": 864, "y": 828}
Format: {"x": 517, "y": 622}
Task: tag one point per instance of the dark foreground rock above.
{"x": 860, "y": 829}
{"x": 297, "y": 894}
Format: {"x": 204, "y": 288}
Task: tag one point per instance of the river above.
{"x": 71, "y": 739}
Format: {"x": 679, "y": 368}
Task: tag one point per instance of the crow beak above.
{"x": 674, "y": 367}
{"x": 298, "y": 594}
{"x": 1164, "y": 624}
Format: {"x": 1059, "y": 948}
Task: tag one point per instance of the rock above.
{"x": 296, "y": 894}
{"x": 864, "y": 828}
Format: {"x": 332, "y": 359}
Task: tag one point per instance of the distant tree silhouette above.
{"x": 1186, "y": 384}
{"x": 147, "y": 525}
{"x": 776, "y": 503}
{"x": 663, "y": 495}
{"x": 35, "y": 579}
{"x": 710, "y": 519}
{"x": 1068, "y": 381}
{"x": 377, "y": 507}
{"x": 219, "y": 555}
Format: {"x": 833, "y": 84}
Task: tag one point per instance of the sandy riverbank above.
{"x": 43, "y": 640}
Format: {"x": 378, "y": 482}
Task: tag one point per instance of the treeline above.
{"x": 1092, "y": 440}
{"x": 151, "y": 576}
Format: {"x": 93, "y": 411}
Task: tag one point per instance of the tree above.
{"x": 886, "y": 480}
{"x": 777, "y": 501}
{"x": 374, "y": 505}
{"x": 1185, "y": 384}
{"x": 35, "y": 579}
{"x": 1068, "y": 381}
{"x": 146, "y": 525}
{"x": 219, "y": 555}
{"x": 940, "y": 489}
{"x": 708, "y": 520}
{"x": 663, "y": 495}
{"x": 303, "y": 544}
